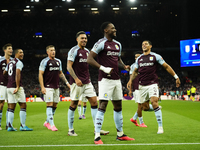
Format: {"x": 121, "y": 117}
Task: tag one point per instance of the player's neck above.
{"x": 7, "y": 56}
{"x": 147, "y": 52}
{"x": 81, "y": 47}
{"x": 52, "y": 58}
{"x": 108, "y": 38}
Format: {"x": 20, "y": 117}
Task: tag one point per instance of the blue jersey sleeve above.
{"x": 19, "y": 65}
{"x": 72, "y": 53}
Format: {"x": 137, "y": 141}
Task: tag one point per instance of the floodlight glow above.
{"x": 26, "y": 10}
{"x": 68, "y": 0}
{"x": 37, "y": 0}
{"x": 49, "y": 9}
{"x": 132, "y": 0}
{"x": 71, "y": 9}
{"x": 100, "y": 0}
{"x": 94, "y": 8}
{"x": 4, "y": 10}
{"x": 116, "y": 8}
{"x": 27, "y": 6}
{"x": 132, "y": 8}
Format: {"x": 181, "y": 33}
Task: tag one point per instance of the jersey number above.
{"x": 10, "y": 70}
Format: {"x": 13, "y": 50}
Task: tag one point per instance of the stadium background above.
{"x": 164, "y": 22}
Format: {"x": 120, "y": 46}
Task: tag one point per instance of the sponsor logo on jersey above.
{"x": 80, "y": 54}
{"x": 117, "y": 47}
{"x": 113, "y": 53}
{"x": 3, "y": 68}
{"x": 151, "y": 58}
{"x": 53, "y": 68}
{"x": 146, "y": 64}
{"x": 109, "y": 47}
{"x": 1, "y": 82}
{"x": 82, "y": 60}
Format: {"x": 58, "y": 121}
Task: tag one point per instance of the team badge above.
{"x": 105, "y": 95}
{"x": 117, "y": 47}
{"x": 1, "y": 96}
{"x": 151, "y": 58}
{"x": 57, "y": 63}
{"x": 49, "y": 98}
{"x": 77, "y": 96}
{"x": 87, "y": 54}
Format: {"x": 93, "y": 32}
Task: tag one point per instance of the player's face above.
{"x": 51, "y": 52}
{"x": 136, "y": 56}
{"x": 20, "y": 54}
{"x": 82, "y": 40}
{"x": 111, "y": 31}
{"x": 9, "y": 50}
{"x": 146, "y": 46}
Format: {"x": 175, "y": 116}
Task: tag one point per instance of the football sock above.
{"x": 99, "y": 120}
{"x": 7, "y": 117}
{"x": 0, "y": 117}
{"x": 158, "y": 114}
{"x": 141, "y": 120}
{"x": 49, "y": 113}
{"x": 84, "y": 109}
{"x": 53, "y": 110}
{"x": 10, "y": 117}
{"x": 22, "y": 115}
{"x": 93, "y": 113}
{"x": 135, "y": 116}
{"x": 118, "y": 118}
{"x": 150, "y": 107}
{"x": 71, "y": 117}
{"x": 79, "y": 110}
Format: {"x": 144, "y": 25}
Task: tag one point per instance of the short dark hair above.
{"x": 16, "y": 50}
{"x": 79, "y": 33}
{"x": 49, "y": 46}
{"x": 104, "y": 26}
{"x": 138, "y": 52}
{"x": 6, "y": 45}
{"x": 150, "y": 43}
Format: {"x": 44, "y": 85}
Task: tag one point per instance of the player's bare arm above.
{"x": 121, "y": 63}
{"x": 63, "y": 78}
{"x": 94, "y": 63}
{"x": 171, "y": 71}
{"x": 72, "y": 73}
{"x": 41, "y": 81}
{"x": 17, "y": 78}
{"x": 132, "y": 77}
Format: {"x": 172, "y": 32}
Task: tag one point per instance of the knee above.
{"x": 103, "y": 105}
{"x": 74, "y": 104}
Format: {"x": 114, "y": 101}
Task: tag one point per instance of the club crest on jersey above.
{"x": 117, "y": 47}
{"x": 49, "y": 98}
{"x": 105, "y": 95}
{"x": 151, "y": 58}
{"x": 77, "y": 96}
{"x": 87, "y": 54}
{"x": 57, "y": 63}
{"x": 1, "y": 96}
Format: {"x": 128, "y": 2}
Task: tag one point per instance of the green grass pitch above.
{"x": 181, "y": 122}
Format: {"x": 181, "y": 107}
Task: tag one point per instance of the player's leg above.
{"x": 134, "y": 118}
{"x": 1, "y": 110}
{"x": 79, "y": 109}
{"x": 72, "y": 108}
{"x": 84, "y": 109}
{"x": 117, "y": 103}
{"x": 137, "y": 100}
{"x": 20, "y": 97}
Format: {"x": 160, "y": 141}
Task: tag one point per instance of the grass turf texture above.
{"x": 181, "y": 122}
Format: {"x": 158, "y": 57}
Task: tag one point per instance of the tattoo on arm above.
{"x": 63, "y": 78}
{"x": 72, "y": 73}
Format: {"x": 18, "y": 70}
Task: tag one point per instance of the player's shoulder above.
{"x": 73, "y": 49}
{"x": 154, "y": 54}
{"x": 86, "y": 49}
{"x": 46, "y": 59}
{"x": 2, "y": 59}
{"x": 57, "y": 59}
{"x": 115, "y": 41}
{"x": 102, "y": 40}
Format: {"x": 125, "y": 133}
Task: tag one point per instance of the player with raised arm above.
{"x": 146, "y": 66}
{"x": 15, "y": 91}
{"x": 80, "y": 80}
{"x": 108, "y": 52}
{"x": 7, "y": 48}
{"x": 50, "y": 72}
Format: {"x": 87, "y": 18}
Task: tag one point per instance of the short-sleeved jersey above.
{"x": 51, "y": 70}
{"x": 80, "y": 66}
{"x": 108, "y": 56}
{"x": 136, "y": 80}
{"x": 147, "y": 67}
{"x": 11, "y": 68}
{"x": 3, "y": 79}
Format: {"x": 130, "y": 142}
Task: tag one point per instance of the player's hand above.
{"x": 16, "y": 90}
{"x": 129, "y": 84}
{"x": 127, "y": 68}
{"x": 78, "y": 82}
{"x": 178, "y": 82}
{"x": 130, "y": 93}
{"x": 43, "y": 90}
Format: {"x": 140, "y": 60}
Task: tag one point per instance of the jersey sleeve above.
{"x": 159, "y": 59}
{"x": 60, "y": 65}
{"x": 72, "y": 54}
{"x": 43, "y": 65}
{"x": 98, "y": 47}
{"x": 136, "y": 63}
{"x": 19, "y": 65}
{"x": 120, "y": 49}
{"x": 132, "y": 68}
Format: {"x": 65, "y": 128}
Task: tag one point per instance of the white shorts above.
{"x": 19, "y": 97}
{"x": 3, "y": 93}
{"x": 110, "y": 89}
{"x": 148, "y": 91}
{"x": 136, "y": 96}
{"x": 83, "y": 98}
{"x": 87, "y": 90}
{"x": 52, "y": 95}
